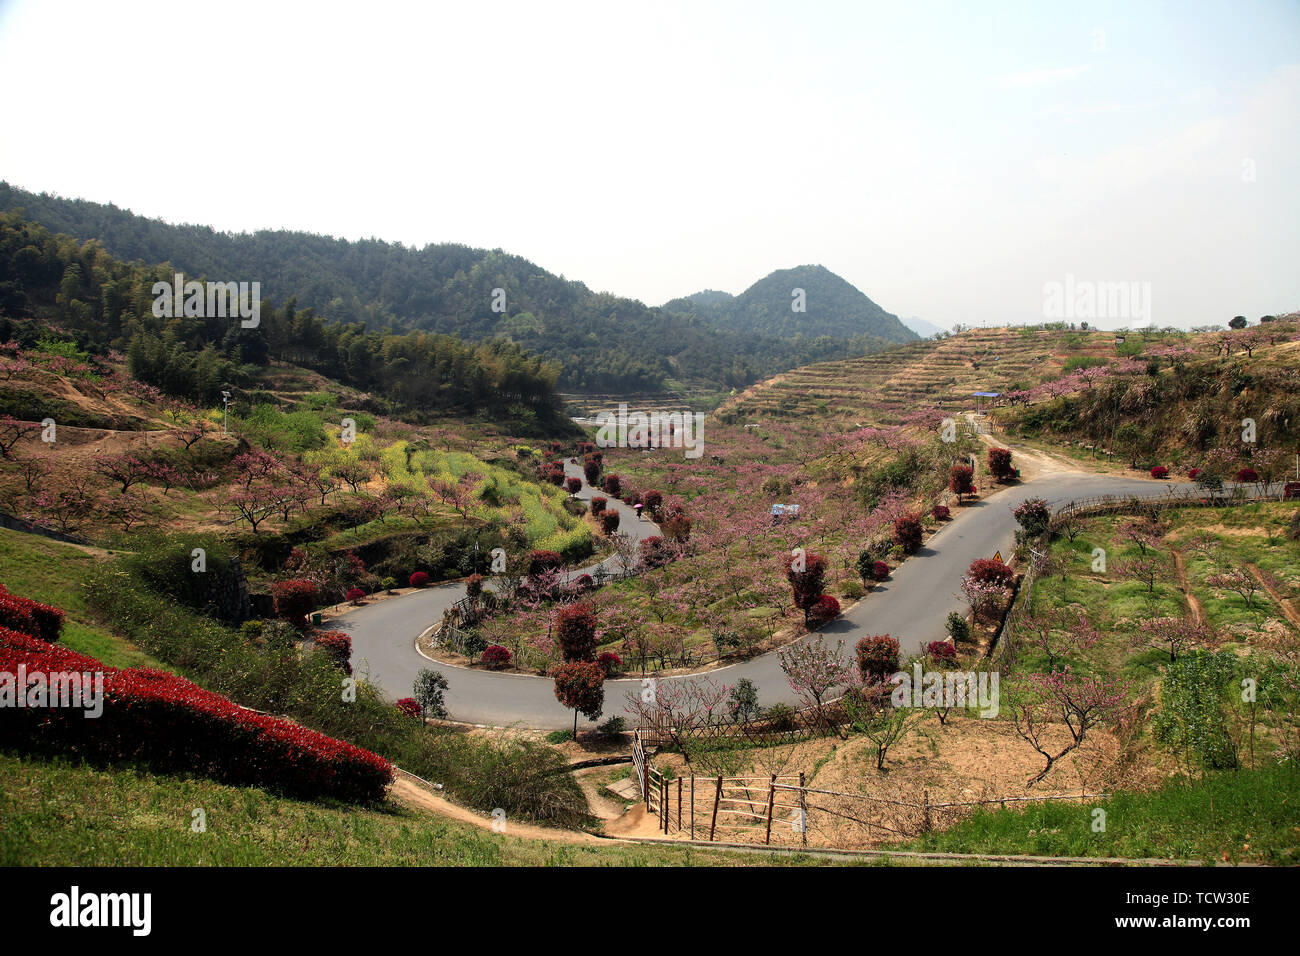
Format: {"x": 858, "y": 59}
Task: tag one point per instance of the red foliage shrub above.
{"x": 174, "y": 726}
{"x": 612, "y": 484}
{"x": 677, "y": 527}
{"x": 908, "y": 532}
{"x": 991, "y": 571}
{"x": 355, "y": 595}
{"x": 598, "y": 503}
{"x": 580, "y": 685}
{"x": 652, "y": 501}
{"x": 591, "y": 471}
{"x": 573, "y": 485}
{"x": 1246, "y": 476}
{"x": 824, "y": 610}
{"x": 1159, "y": 471}
{"x": 941, "y": 652}
{"x": 941, "y": 512}
{"x": 583, "y": 583}
{"x": 294, "y": 600}
{"x": 961, "y": 480}
{"x": 1194, "y": 474}
{"x": 877, "y": 658}
{"x": 879, "y": 571}
{"x": 419, "y": 579}
{"x": 655, "y": 552}
{"x": 806, "y": 585}
{"x": 539, "y": 562}
{"x": 474, "y": 586}
{"x": 338, "y": 645}
{"x": 609, "y": 520}
{"x": 495, "y": 656}
{"x": 410, "y": 707}
{"x": 999, "y": 460}
{"x": 609, "y": 663}
{"x": 575, "y": 631}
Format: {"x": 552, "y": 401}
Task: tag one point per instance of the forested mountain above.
{"x": 78, "y": 290}
{"x": 831, "y": 306}
{"x": 598, "y": 342}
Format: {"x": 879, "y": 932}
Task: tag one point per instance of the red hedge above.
{"x": 30, "y": 617}
{"x": 410, "y": 707}
{"x": 598, "y": 503}
{"x": 1159, "y": 471}
{"x": 609, "y": 520}
{"x": 355, "y": 594}
{"x": 941, "y": 513}
{"x": 1247, "y": 475}
{"x": 609, "y": 662}
{"x": 175, "y": 726}
{"x": 419, "y": 579}
{"x": 879, "y": 571}
{"x": 612, "y": 484}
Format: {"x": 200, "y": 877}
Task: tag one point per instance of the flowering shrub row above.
{"x": 172, "y": 725}
{"x": 30, "y": 617}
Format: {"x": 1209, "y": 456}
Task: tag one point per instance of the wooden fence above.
{"x": 781, "y": 809}
{"x": 806, "y": 724}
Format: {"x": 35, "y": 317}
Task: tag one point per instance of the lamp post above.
{"x": 225, "y": 409}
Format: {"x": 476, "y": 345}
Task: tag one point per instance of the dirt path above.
{"x": 590, "y": 782}
{"x": 1194, "y": 605}
{"x": 1284, "y": 603}
{"x": 413, "y": 795}
{"x": 1031, "y": 462}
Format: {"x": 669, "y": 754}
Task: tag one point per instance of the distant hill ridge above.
{"x": 831, "y": 306}
{"x": 600, "y": 342}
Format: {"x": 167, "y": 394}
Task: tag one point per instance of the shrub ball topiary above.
{"x": 495, "y": 657}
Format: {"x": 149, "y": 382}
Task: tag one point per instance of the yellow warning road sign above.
{"x": 997, "y": 556}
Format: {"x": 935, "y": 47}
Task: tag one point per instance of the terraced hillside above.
{"x": 884, "y": 387}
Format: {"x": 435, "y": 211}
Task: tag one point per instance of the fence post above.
{"x": 663, "y": 802}
{"x": 803, "y": 811}
{"x": 717, "y": 798}
{"x": 679, "y": 804}
{"x": 926, "y": 794}
{"x": 692, "y": 806}
{"x": 771, "y": 802}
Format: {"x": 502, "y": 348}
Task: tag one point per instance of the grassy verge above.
{"x": 1240, "y": 817}
{"x": 60, "y": 813}
{"x": 52, "y": 572}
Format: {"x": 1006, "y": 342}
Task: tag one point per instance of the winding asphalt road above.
{"x": 913, "y": 606}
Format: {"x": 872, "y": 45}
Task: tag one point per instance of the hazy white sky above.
{"x": 947, "y": 159}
